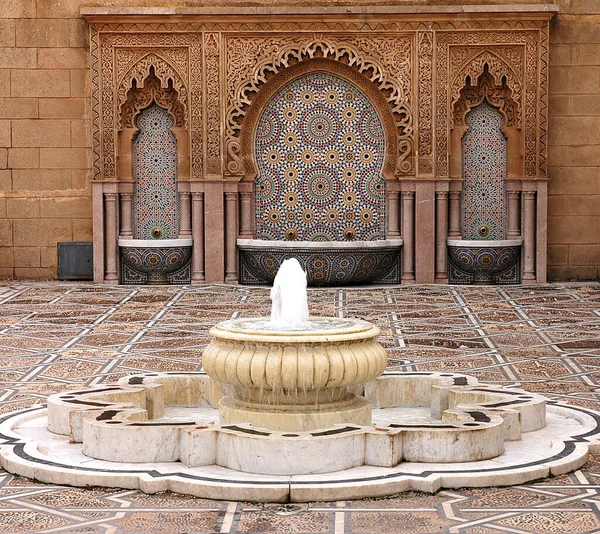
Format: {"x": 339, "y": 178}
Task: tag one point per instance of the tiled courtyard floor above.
{"x": 56, "y": 337}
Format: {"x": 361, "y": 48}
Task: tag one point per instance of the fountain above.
{"x": 293, "y": 373}
{"x": 296, "y": 408}
{"x": 484, "y": 255}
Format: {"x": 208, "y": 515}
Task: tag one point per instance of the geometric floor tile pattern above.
{"x": 57, "y": 337}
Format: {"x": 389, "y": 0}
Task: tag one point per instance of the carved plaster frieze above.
{"x": 121, "y": 57}
{"x": 500, "y": 51}
{"x": 425, "y": 55}
{"x": 322, "y": 26}
{"x": 252, "y": 60}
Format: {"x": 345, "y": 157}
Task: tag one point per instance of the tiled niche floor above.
{"x": 56, "y": 337}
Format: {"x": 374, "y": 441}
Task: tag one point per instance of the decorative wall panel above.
{"x": 219, "y": 69}
{"x": 320, "y": 148}
{"x": 512, "y": 56}
{"x": 484, "y": 160}
{"x": 384, "y": 60}
{"x": 155, "y": 199}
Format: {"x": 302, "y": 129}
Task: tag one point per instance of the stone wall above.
{"x": 44, "y": 135}
{"x": 574, "y": 147}
{"x": 45, "y": 164}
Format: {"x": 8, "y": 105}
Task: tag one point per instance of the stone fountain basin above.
{"x": 156, "y": 258}
{"x": 294, "y": 380}
{"x": 484, "y": 259}
{"x": 160, "y": 431}
{"x": 327, "y": 263}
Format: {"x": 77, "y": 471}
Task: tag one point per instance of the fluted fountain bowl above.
{"x": 295, "y": 379}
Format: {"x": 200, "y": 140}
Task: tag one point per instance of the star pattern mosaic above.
{"x": 546, "y": 338}
{"x": 484, "y": 157}
{"x": 320, "y": 147}
{"x": 155, "y": 198}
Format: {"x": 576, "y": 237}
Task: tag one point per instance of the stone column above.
{"x": 198, "y": 235}
{"x": 424, "y": 227}
{"x": 214, "y": 231}
{"x": 454, "y": 230}
{"x": 185, "y": 229}
{"x": 513, "y": 214}
{"x": 246, "y": 215}
{"x": 393, "y": 229}
{"x": 529, "y": 236}
{"x": 231, "y": 216}
{"x": 110, "y": 201}
{"x": 126, "y": 229}
{"x": 441, "y": 234}
{"x": 408, "y": 228}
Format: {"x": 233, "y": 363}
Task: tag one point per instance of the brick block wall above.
{"x": 45, "y": 138}
{"x": 574, "y": 148}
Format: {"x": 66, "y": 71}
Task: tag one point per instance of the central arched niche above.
{"x": 319, "y": 141}
{"x": 320, "y": 149}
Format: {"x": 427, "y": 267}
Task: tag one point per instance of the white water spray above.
{"x": 289, "y": 308}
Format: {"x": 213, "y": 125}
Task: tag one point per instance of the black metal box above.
{"x": 75, "y": 261}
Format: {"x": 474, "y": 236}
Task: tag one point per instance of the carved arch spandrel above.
{"x": 499, "y": 68}
{"x": 385, "y": 61}
{"x": 272, "y": 87}
{"x": 140, "y": 71}
{"x": 139, "y": 99}
{"x": 486, "y": 87}
{"x": 515, "y": 47}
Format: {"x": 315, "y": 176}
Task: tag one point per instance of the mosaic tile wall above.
{"x": 155, "y": 198}
{"x": 484, "y": 163}
{"x": 320, "y": 148}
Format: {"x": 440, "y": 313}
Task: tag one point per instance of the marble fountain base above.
{"x": 161, "y": 431}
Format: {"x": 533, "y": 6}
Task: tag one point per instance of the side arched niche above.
{"x": 153, "y": 173}
{"x": 498, "y": 94}
{"x": 303, "y": 69}
{"x": 140, "y": 96}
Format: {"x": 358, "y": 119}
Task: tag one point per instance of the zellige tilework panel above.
{"x": 320, "y": 147}
{"x": 155, "y": 199}
{"x": 484, "y": 160}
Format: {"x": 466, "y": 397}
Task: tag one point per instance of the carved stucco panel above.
{"x": 252, "y": 60}
{"x": 425, "y": 55}
{"x": 165, "y": 51}
{"x": 453, "y": 64}
{"x": 212, "y": 102}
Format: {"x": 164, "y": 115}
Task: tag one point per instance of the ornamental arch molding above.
{"x": 275, "y": 84}
{"x": 142, "y": 70}
{"x": 383, "y": 61}
{"x": 499, "y": 70}
{"x": 152, "y": 91}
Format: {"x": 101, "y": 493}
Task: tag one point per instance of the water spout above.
{"x": 289, "y": 307}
